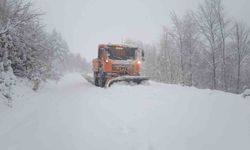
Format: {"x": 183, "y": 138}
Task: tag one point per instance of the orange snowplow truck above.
{"x": 117, "y": 63}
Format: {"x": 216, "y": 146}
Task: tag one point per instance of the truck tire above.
{"x": 102, "y": 80}
{"x": 96, "y": 78}
{"x": 96, "y": 81}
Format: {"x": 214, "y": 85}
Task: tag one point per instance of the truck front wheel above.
{"x": 100, "y": 79}
{"x": 96, "y": 81}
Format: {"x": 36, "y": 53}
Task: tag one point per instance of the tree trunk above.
{"x": 214, "y": 86}
{"x": 238, "y": 74}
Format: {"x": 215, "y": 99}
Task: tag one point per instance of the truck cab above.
{"x": 115, "y": 61}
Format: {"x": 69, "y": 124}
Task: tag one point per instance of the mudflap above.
{"x": 134, "y": 79}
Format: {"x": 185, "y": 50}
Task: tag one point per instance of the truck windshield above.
{"x": 121, "y": 53}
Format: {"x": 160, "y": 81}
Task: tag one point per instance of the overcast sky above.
{"x": 86, "y": 23}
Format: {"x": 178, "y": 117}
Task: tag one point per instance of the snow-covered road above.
{"x": 75, "y": 115}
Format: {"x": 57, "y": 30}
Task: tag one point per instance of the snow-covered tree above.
{"x": 223, "y": 36}
{"x": 26, "y": 49}
{"x": 186, "y": 38}
{"x": 241, "y": 46}
{"x": 209, "y": 27}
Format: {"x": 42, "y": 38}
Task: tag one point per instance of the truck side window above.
{"x": 100, "y": 53}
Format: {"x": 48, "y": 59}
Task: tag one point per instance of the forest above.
{"x": 27, "y": 50}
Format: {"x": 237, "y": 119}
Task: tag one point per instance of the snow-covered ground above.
{"x": 75, "y": 115}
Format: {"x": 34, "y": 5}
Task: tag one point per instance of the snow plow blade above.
{"x": 134, "y": 79}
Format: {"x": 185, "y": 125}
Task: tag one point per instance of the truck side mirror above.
{"x": 143, "y": 55}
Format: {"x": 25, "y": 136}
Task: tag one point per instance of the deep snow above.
{"x": 75, "y": 115}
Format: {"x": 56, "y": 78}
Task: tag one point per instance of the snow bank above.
{"x": 7, "y": 82}
{"x": 74, "y": 114}
{"x": 246, "y": 93}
